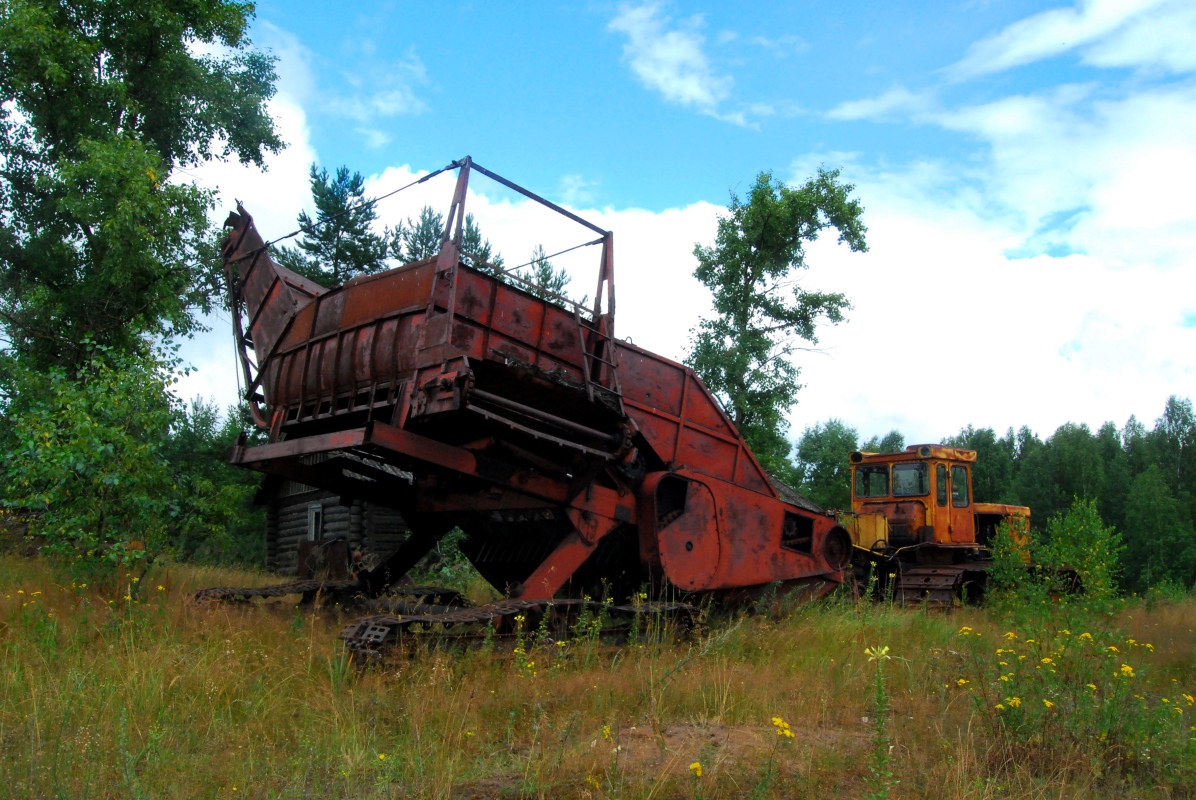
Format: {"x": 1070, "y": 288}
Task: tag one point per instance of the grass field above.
{"x": 130, "y": 692}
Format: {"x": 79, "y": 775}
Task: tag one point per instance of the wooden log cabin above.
{"x": 308, "y": 530}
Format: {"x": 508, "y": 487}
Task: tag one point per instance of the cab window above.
{"x": 959, "y": 487}
{"x": 911, "y": 479}
{"x": 940, "y": 479}
{"x": 872, "y": 481}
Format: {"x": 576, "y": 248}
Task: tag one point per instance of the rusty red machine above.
{"x": 577, "y": 464}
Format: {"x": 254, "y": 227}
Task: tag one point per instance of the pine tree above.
{"x": 339, "y": 244}
{"x": 476, "y": 250}
{"x": 412, "y": 241}
{"x": 546, "y": 281}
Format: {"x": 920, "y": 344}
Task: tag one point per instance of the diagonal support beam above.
{"x": 556, "y": 570}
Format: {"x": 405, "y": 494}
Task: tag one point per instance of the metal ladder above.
{"x": 595, "y": 367}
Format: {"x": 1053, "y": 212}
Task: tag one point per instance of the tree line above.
{"x": 1141, "y": 480}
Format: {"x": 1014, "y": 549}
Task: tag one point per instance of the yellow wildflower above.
{"x": 1000, "y": 707}
{"x": 1191, "y": 700}
{"x": 1092, "y": 686}
{"x": 1016, "y": 702}
{"x": 962, "y": 682}
{"x": 965, "y": 630}
{"x": 1010, "y": 635}
{"x": 696, "y": 769}
{"x": 1127, "y": 670}
{"x": 1112, "y": 649}
{"x": 606, "y": 733}
{"x": 382, "y": 756}
{"x": 1048, "y": 704}
{"x": 876, "y": 653}
{"x": 1148, "y": 646}
{"x": 161, "y": 588}
{"x": 1048, "y": 661}
{"x": 1065, "y": 632}
{"x": 1086, "y": 635}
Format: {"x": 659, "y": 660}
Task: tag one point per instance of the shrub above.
{"x": 1078, "y": 539}
{"x": 88, "y": 457}
{"x": 1076, "y": 544}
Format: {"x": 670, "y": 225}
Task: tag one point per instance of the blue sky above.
{"x": 650, "y": 106}
{"x": 1026, "y": 170}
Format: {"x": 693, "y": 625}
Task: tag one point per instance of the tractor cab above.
{"x": 916, "y": 525}
{"x": 922, "y": 496}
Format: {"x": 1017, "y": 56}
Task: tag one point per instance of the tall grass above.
{"x": 150, "y": 697}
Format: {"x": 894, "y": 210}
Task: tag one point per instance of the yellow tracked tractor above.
{"x": 916, "y": 530}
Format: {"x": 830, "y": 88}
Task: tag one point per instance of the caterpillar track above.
{"x": 370, "y": 636}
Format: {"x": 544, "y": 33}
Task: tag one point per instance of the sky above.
{"x": 1027, "y": 171}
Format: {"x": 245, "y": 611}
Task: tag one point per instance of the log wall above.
{"x": 374, "y": 530}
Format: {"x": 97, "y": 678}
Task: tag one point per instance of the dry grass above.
{"x": 159, "y": 699}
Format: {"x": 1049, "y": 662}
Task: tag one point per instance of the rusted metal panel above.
{"x": 1003, "y": 509}
{"x": 690, "y": 546}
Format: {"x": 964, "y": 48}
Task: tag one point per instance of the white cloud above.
{"x": 1112, "y": 32}
{"x": 1003, "y": 332}
{"x": 374, "y": 138}
{"x": 1042, "y": 273}
{"x": 575, "y": 190}
{"x": 896, "y": 102}
{"x": 1165, "y": 41}
{"x": 783, "y": 45}
{"x": 1116, "y": 168}
{"x": 383, "y": 89}
{"x": 377, "y": 89}
{"x": 948, "y": 330}
{"x": 294, "y": 65}
{"x": 671, "y": 61}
